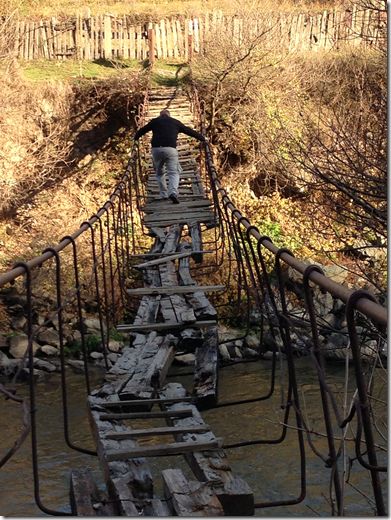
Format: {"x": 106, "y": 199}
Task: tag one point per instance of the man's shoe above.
{"x": 173, "y": 198}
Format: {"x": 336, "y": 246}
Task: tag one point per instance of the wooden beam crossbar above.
{"x": 145, "y": 415}
{"x": 163, "y": 450}
{"x": 179, "y": 289}
{"x": 164, "y": 430}
{"x": 147, "y": 327}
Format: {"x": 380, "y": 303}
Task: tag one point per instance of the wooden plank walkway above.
{"x": 127, "y": 412}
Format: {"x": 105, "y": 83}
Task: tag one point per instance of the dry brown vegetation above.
{"x": 301, "y": 139}
{"x": 146, "y": 9}
{"x": 59, "y": 156}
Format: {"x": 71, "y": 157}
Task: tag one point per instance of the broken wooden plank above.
{"x": 196, "y": 240}
{"x": 162, "y": 260}
{"x": 203, "y": 309}
{"x": 158, "y": 231}
{"x": 136, "y": 360}
{"x": 161, "y": 205}
{"x": 162, "y": 450}
{"x": 184, "y": 264}
{"x": 178, "y": 289}
{"x": 124, "y": 479}
{"x": 190, "y": 498}
{"x": 165, "y": 326}
{"x": 164, "y": 430}
{"x": 157, "y": 255}
{"x": 161, "y": 215}
{"x": 151, "y": 373}
{"x": 126, "y": 499}
{"x": 206, "y": 370}
{"x": 167, "y": 310}
{"x": 83, "y": 493}
{"x": 233, "y": 492}
{"x": 209, "y": 221}
{"x": 131, "y": 402}
{"x": 157, "y": 507}
{"x": 124, "y": 366}
{"x": 144, "y": 415}
{"x": 172, "y": 238}
{"x": 147, "y": 310}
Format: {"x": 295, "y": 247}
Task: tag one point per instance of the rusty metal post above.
{"x": 363, "y": 401}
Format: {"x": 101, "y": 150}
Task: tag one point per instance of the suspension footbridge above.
{"x": 155, "y": 269}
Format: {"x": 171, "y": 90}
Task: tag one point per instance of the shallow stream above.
{"x": 273, "y": 471}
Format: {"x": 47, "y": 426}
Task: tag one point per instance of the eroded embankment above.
{"x": 63, "y": 145}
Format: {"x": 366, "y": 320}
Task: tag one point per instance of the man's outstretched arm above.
{"x": 143, "y": 130}
{"x": 189, "y": 131}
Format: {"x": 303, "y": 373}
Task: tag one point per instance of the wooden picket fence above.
{"x": 114, "y": 37}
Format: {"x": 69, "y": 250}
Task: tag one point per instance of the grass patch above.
{"x": 165, "y": 73}
{"x": 43, "y": 70}
{"x": 169, "y": 73}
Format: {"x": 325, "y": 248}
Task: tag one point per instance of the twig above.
{"x": 26, "y": 425}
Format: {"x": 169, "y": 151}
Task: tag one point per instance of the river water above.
{"x": 272, "y": 471}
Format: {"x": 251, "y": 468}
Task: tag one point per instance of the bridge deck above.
{"x": 174, "y": 315}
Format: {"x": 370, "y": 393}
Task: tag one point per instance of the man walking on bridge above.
{"x": 165, "y": 130}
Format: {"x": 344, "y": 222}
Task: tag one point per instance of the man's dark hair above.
{"x": 165, "y": 112}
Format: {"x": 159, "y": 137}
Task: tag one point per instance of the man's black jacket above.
{"x": 165, "y": 131}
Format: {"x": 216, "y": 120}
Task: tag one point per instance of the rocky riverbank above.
{"x": 235, "y": 343}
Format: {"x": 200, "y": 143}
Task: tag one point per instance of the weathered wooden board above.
{"x": 83, "y": 493}
{"x": 162, "y": 450}
{"x": 161, "y": 205}
{"x": 173, "y": 236}
{"x": 165, "y": 326}
{"x": 234, "y": 493}
{"x": 150, "y": 371}
{"x": 148, "y": 308}
{"x": 164, "y": 430}
{"x": 184, "y": 264}
{"x": 208, "y": 220}
{"x": 125, "y": 363}
{"x": 206, "y": 370}
{"x": 167, "y": 310}
{"x": 203, "y": 309}
{"x": 189, "y": 498}
{"x": 164, "y": 215}
{"x": 196, "y": 240}
{"x": 126, "y": 480}
{"x": 179, "y": 289}
{"x": 144, "y": 415}
{"x": 158, "y": 261}
{"x": 135, "y": 402}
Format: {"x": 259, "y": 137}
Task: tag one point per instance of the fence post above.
{"x": 107, "y": 37}
{"x": 190, "y": 47}
{"x": 190, "y": 40}
{"x": 151, "y": 45}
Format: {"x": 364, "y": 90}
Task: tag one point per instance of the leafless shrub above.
{"x": 311, "y": 127}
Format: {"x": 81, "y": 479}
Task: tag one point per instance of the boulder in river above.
{"x": 49, "y": 350}
{"x": 8, "y": 366}
{"x": 49, "y": 337}
{"x": 44, "y": 365}
{"x": 19, "y": 344}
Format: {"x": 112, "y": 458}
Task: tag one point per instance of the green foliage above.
{"x": 115, "y": 335}
{"x": 75, "y": 349}
{"x": 274, "y": 230}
